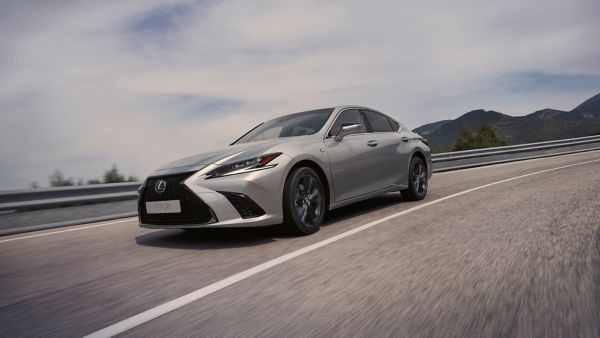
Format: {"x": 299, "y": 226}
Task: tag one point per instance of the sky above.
{"x": 85, "y": 84}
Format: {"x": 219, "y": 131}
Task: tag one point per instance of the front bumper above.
{"x": 263, "y": 187}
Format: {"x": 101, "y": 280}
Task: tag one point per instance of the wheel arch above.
{"x": 317, "y": 168}
{"x": 420, "y": 154}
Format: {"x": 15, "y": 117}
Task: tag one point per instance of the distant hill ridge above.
{"x": 542, "y": 125}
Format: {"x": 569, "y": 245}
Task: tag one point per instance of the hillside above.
{"x": 588, "y": 110}
{"x": 426, "y": 129}
{"x": 542, "y": 125}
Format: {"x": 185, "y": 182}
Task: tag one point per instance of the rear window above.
{"x": 378, "y": 122}
{"x": 395, "y": 125}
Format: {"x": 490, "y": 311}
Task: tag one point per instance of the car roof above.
{"x": 353, "y": 106}
{"x": 341, "y": 107}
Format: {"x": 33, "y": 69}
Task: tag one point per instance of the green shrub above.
{"x": 484, "y": 137}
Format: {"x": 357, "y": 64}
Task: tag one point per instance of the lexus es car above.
{"x": 290, "y": 170}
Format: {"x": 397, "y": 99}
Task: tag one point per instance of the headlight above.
{"x": 252, "y": 164}
{"x": 141, "y": 187}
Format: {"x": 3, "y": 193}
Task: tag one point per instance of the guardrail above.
{"x": 72, "y": 191}
{"x": 481, "y": 157}
{"x": 32, "y": 199}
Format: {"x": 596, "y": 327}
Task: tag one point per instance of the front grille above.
{"x": 244, "y": 205}
{"x": 193, "y": 209}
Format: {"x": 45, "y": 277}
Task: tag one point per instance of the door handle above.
{"x": 405, "y": 139}
{"x": 373, "y": 143}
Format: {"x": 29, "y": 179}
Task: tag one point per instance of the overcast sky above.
{"x": 84, "y": 84}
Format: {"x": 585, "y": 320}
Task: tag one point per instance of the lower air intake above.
{"x": 244, "y": 205}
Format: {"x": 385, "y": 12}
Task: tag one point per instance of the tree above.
{"x": 34, "y": 185}
{"x": 484, "y": 137}
{"x": 57, "y": 179}
{"x": 464, "y": 140}
{"x": 113, "y": 176}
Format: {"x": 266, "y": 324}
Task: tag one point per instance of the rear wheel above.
{"x": 417, "y": 180}
{"x": 303, "y": 202}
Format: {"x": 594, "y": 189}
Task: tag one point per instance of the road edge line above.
{"x": 68, "y": 230}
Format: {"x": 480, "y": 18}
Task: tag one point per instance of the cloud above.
{"x": 549, "y": 82}
{"x": 187, "y": 108}
{"x": 140, "y": 83}
{"x": 160, "y": 20}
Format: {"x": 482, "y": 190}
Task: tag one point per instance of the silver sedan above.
{"x": 290, "y": 170}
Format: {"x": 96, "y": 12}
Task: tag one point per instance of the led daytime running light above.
{"x": 243, "y": 166}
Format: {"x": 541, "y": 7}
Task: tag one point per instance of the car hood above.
{"x": 233, "y": 153}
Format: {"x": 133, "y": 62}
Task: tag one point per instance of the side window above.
{"x": 378, "y": 122}
{"x": 395, "y": 125}
{"x": 349, "y": 116}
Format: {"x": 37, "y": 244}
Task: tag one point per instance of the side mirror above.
{"x": 347, "y": 129}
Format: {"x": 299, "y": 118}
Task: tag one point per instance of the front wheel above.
{"x": 303, "y": 202}
{"x": 417, "y": 180}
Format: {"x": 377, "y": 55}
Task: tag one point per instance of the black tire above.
{"x": 418, "y": 178}
{"x": 304, "y": 203}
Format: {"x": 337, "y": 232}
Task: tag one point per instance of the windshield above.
{"x": 304, "y": 123}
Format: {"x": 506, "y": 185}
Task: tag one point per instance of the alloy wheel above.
{"x": 308, "y": 200}
{"x": 419, "y": 178}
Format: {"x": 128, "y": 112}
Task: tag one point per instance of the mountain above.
{"x": 542, "y": 125}
{"x": 590, "y": 109}
{"x": 426, "y": 129}
{"x": 446, "y": 134}
{"x": 547, "y": 113}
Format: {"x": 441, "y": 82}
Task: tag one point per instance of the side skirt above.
{"x": 367, "y": 196}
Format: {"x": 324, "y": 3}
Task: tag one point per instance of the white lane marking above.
{"x": 68, "y": 230}
{"x": 146, "y": 316}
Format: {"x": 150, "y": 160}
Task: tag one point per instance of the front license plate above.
{"x": 163, "y": 207}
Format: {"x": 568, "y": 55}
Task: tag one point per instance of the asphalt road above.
{"x": 517, "y": 258}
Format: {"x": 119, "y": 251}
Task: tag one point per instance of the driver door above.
{"x": 352, "y": 169}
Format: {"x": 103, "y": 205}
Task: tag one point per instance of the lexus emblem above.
{"x": 160, "y": 186}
